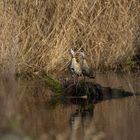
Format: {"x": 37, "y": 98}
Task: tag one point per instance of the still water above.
{"x": 28, "y": 111}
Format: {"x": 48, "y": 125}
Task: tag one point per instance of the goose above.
{"x": 86, "y": 69}
{"x": 74, "y": 66}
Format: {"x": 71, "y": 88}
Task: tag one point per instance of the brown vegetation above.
{"x": 36, "y": 35}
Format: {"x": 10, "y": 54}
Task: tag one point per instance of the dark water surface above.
{"x": 27, "y": 111}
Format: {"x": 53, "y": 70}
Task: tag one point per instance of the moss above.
{"x": 53, "y": 84}
{"x": 50, "y": 82}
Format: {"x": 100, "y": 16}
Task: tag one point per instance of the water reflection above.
{"x": 28, "y": 111}
{"x": 84, "y": 114}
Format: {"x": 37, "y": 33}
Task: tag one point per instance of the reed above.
{"x": 36, "y": 35}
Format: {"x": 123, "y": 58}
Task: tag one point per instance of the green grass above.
{"x": 54, "y": 85}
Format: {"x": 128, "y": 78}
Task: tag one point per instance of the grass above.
{"x": 54, "y": 85}
{"x": 36, "y": 35}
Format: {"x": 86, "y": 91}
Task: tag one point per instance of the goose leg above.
{"x": 74, "y": 80}
{"x": 84, "y": 80}
{"x": 76, "y": 84}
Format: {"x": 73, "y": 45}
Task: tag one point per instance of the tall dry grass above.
{"x": 36, "y": 34}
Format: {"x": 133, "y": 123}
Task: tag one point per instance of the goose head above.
{"x": 82, "y": 54}
{"x": 71, "y": 51}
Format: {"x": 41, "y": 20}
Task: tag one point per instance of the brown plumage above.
{"x": 74, "y": 66}
{"x": 86, "y": 69}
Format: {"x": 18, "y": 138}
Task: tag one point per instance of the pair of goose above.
{"x": 82, "y": 68}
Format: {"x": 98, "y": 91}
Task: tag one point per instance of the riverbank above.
{"x": 27, "y": 111}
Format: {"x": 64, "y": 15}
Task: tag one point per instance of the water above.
{"x": 28, "y": 112}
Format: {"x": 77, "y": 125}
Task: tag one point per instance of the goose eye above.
{"x": 72, "y": 69}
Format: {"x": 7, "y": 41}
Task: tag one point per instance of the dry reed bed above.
{"x": 36, "y": 35}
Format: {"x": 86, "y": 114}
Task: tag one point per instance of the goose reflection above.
{"x": 82, "y": 117}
